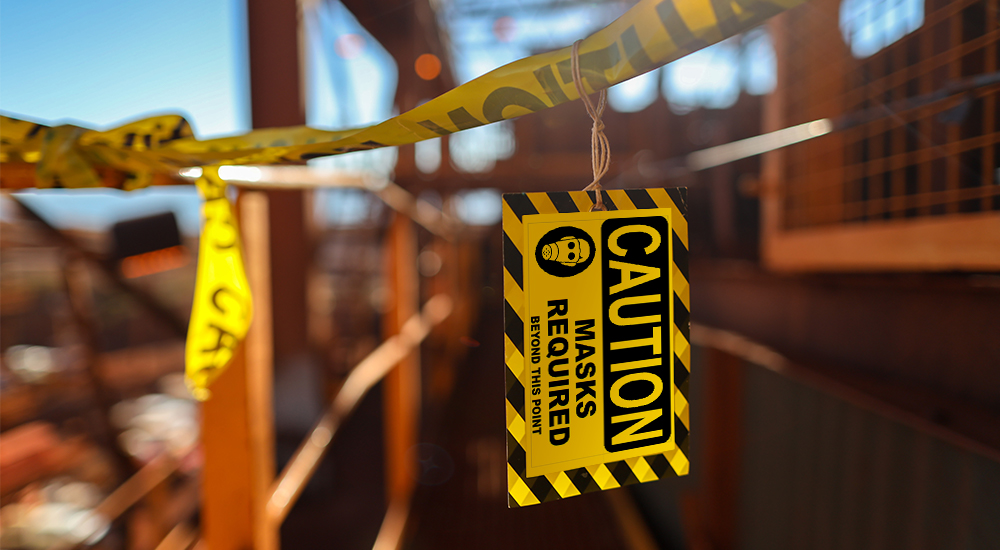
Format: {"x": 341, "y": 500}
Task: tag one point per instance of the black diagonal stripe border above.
{"x": 515, "y": 395}
{"x": 512, "y": 261}
{"x": 582, "y": 480}
{"x": 563, "y": 202}
{"x": 641, "y": 199}
{"x": 680, "y": 255}
{"x": 660, "y": 465}
{"x": 679, "y": 196}
{"x": 680, "y": 372}
{"x": 520, "y": 204}
{"x": 516, "y": 456}
{"x": 513, "y": 326}
{"x": 682, "y": 318}
{"x": 542, "y": 489}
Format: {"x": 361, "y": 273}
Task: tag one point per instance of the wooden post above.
{"x": 238, "y": 420}
{"x": 402, "y": 386}
{"x": 259, "y": 357}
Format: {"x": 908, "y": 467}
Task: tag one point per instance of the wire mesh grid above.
{"x": 909, "y": 147}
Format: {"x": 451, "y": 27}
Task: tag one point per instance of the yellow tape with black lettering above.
{"x": 647, "y": 36}
{"x": 597, "y": 332}
{"x": 65, "y": 155}
{"x": 222, "y": 307}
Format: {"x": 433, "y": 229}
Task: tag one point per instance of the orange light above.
{"x": 154, "y": 262}
{"x": 428, "y": 66}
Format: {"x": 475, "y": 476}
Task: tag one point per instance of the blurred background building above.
{"x": 844, "y": 211}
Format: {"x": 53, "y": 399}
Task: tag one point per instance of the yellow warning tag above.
{"x": 221, "y": 312}
{"x": 596, "y": 322}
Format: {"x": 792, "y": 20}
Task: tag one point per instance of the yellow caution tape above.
{"x": 222, "y": 308}
{"x": 65, "y": 155}
{"x": 649, "y": 35}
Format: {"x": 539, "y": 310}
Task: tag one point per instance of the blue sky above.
{"x": 104, "y": 61}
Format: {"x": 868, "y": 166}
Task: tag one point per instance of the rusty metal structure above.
{"x": 845, "y": 305}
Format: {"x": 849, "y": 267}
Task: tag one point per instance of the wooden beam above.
{"x": 226, "y": 510}
{"x": 238, "y": 420}
{"x": 259, "y": 358}
{"x": 969, "y": 242}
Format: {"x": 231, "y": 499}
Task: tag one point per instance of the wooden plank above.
{"x": 226, "y": 510}
{"x": 259, "y": 358}
{"x": 905, "y": 202}
{"x": 968, "y": 242}
{"x": 181, "y": 537}
{"x": 237, "y": 421}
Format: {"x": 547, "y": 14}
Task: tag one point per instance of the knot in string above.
{"x": 600, "y": 149}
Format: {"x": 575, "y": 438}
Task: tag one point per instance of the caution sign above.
{"x": 597, "y": 341}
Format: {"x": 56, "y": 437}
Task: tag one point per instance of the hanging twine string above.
{"x": 600, "y": 149}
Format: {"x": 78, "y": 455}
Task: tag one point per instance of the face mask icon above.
{"x": 567, "y": 251}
